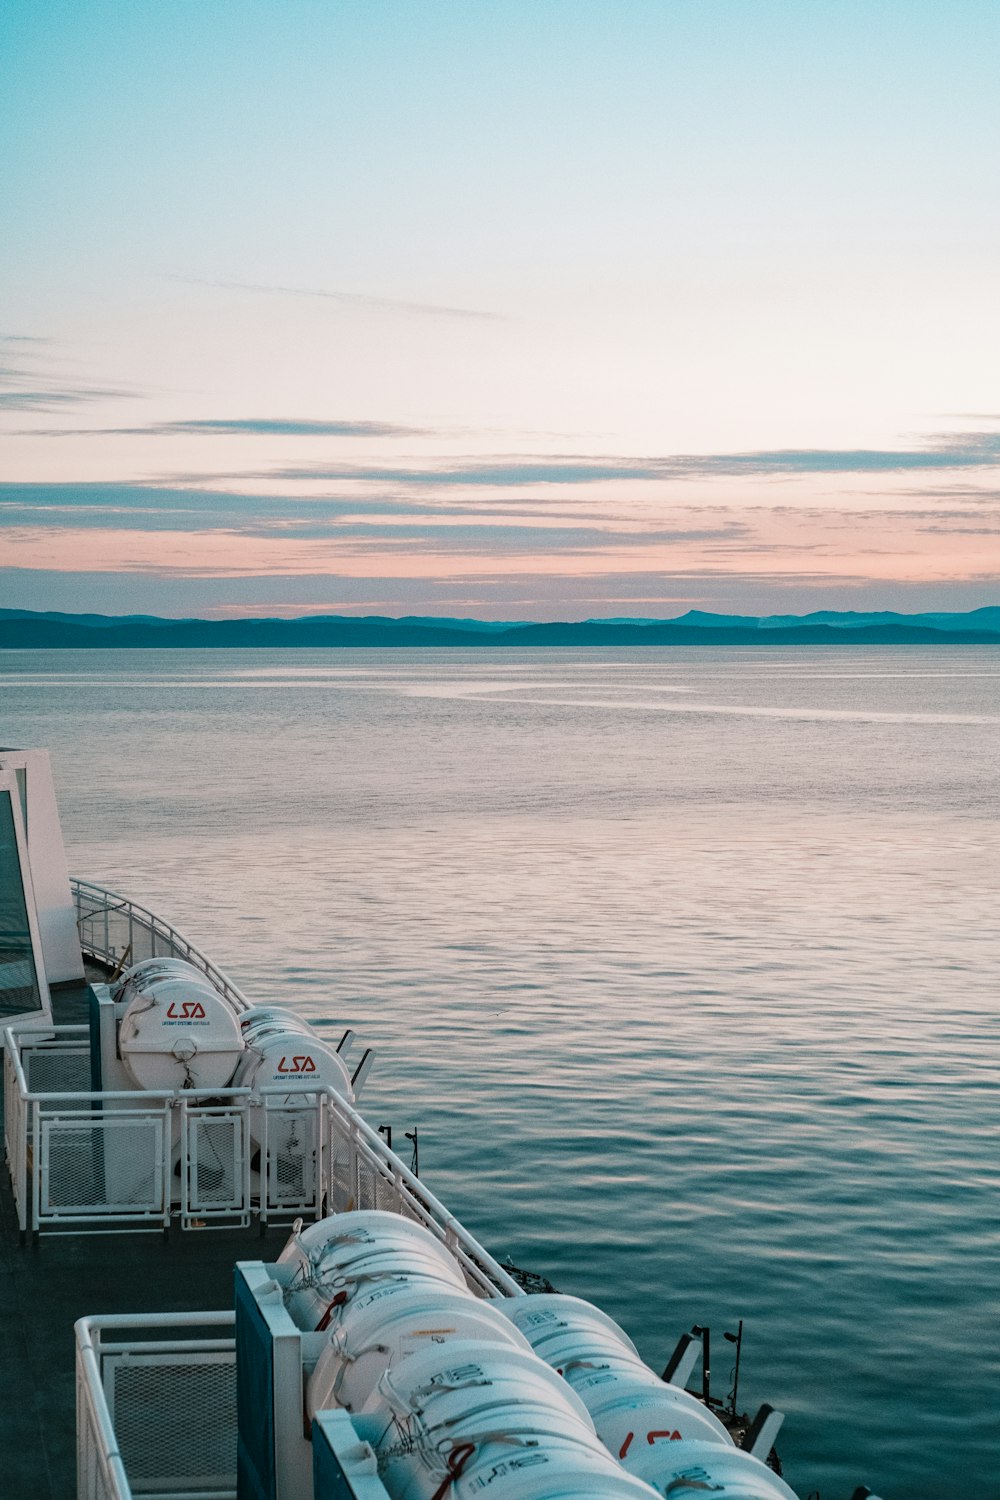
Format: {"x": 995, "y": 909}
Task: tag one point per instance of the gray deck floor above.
{"x": 44, "y": 1288}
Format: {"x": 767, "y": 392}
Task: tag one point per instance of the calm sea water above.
{"x": 685, "y": 964}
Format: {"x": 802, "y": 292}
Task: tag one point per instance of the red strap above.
{"x": 457, "y": 1460}
{"x": 324, "y": 1321}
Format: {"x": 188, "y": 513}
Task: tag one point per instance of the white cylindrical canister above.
{"x": 344, "y": 1254}
{"x": 177, "y": 1031}
{"x": 468, "y": 1410}
{"x": 387, "y": 1322}
{"x": 290, "y": 1054}
{"x": 685, "y": 1471}
{"x": 140, "y": 974}
{"x": 633, "y": 1410}
{"x": 630, "y": 1405}
{"x": 560, "y": 1328}
{"x": 262, "y": 1017}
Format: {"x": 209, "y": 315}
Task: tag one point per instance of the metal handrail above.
{"x": 107, "y": 903}
{"x": 350, "y": 1125}
{"x": 92, "y": 1401}
{"x": 12, "y": 1035}
{"x": 452, "y": 1229}
{"x": 112, "y": 1479}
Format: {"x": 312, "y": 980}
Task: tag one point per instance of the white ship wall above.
{"x": 56, "y": 912}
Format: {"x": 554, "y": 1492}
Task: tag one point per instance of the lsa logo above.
{"x": 297, "y": 1065}
{"x": 189, "y": 1010}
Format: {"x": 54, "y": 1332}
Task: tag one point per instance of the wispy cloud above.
{"x": 942, "y": 452}
{"x": 57, "y": 399}
{"x": 496, "y": 540}
{"x": 33, "y": 383}
{"x": 505, "y": 474}
{"x": 242, "y": 427}
{"x": 959, "y": 450}
{"x": 350, "y": 299}
{"x": 351, "y": 524}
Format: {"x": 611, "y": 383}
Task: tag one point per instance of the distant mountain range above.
{"x": 23, "y": 629}
{"x": 987, "y": 618}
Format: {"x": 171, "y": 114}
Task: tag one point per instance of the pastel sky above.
{"x": 509, "y": 308}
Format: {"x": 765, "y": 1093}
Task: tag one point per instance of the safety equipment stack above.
{"x": 654, "y": 1428}
{"x": 259, "y": 1075}
{"x": 163, "y": 1025}
{"x": 366, "y": 1325}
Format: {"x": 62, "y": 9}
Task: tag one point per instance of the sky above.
{"x": 517, "y": 309}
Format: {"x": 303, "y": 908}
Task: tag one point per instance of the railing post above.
{"x": 168, "y": 1162}
{"x": 264, "y": 1170}
{"x": 21, "y": 1158}
{"x": 321, "y": 1191}
{"x": 36, "y": 1165}
{"x": 355, "y": 1158}
{"x": 184, "y": 1158}
{"x": 246, "y": 1143}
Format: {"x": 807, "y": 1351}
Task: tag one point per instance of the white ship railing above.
{"x": 365, "y": 1173}
{"x": 156, "y": 1407}
{"x": 82, "y": 1160}
{"x": 120, "y": 932}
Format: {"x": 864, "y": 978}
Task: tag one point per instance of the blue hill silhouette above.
{"x": 53, "y": 630}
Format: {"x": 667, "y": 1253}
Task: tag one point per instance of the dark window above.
{"x": 18, "y": 977}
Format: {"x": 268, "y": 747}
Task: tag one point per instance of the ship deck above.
{"x": 46, "y": 1287}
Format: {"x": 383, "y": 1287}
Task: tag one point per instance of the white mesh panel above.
{"x": 293, "y": 1138}
{"x": 58, "y": 1071}
{"x": 215, "y": 1164}
{"x": 175, "y": 1419}
{"x": 112, "y": 1162}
